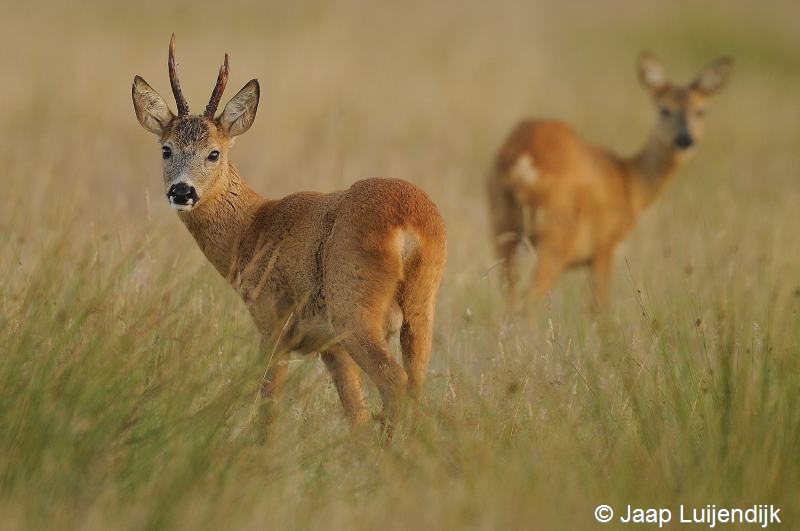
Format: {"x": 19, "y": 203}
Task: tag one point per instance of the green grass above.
{"x": 129, "y": 371}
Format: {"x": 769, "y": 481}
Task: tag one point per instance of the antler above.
{"x": 219, "y": 88}
{"x": 183, "y": 107}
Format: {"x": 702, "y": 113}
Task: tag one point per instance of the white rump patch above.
{"x": 406, "y": 243}
{"x": 523, "y": 171}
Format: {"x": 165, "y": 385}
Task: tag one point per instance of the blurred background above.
{"x": 106, "y": 387}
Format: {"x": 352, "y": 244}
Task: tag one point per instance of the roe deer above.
{"x": 334, "y": 273}
{"x": 575, "y": 201}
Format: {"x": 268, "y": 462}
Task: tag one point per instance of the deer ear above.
{"x": 151, "y": 109}
{"x": 240, "y": 112}
{"x": 713, "y": 77}
{"x": 651, "y": 73}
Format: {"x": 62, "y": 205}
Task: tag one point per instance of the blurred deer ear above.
{"x": 151, "y": 109}
{"x": 713, "y": 77}
{"x": 240, "y": 112}
{"x": 651, "y": 73}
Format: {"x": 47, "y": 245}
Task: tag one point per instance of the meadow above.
{"x": 129, "y": 370}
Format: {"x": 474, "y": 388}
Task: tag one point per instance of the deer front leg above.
{"x": 548, "y": 268}
{"x": 505, "y": 248}
{"x": 271, "y": 383}
{"x": 274, "y": 379}
{"x": 277, "y": 367}
{"x": 508, "y": 253}
{"x": 601, "y": 276}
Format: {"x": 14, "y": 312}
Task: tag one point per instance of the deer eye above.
{"x": 699, "y": 112}
{"x": 213, "y": 156}
{"x": 664, "y": 112}
{"x": 166, "y": 152}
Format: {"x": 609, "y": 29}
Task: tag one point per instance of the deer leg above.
{"x": 359, "y": 301}
{"x": 507, "y": 225}
{"x": 347, "y": 380}
{"x": 509, "y": 257}
{"x": 548, "y": 269}
{"x": 277, "y": 355}
{"x": 416, "y": 338}
{"x": 272, "y": 382}
{"x": 274, "y": 379}
{"x": 277, "y": 368}
{"x": 415, "y": 341}
{"x": 506, "y": 250}
{"x": 601, "y": 275}
{"x": 369, "y": 352}
{"x": 417, "y": 301}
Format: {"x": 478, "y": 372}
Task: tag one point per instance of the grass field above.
{"x": 129, "y": 371}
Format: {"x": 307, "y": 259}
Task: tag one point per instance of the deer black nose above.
{"x": 684, "y": 141}
{"x": 182, "y": 194}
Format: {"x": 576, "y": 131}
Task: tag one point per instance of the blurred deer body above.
{"x": 331, "y": 273}
{"x": 575, "y": 201}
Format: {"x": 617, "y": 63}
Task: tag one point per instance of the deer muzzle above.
{"x": 182, "y": 196}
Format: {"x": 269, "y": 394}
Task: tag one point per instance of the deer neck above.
{"x": 651, "y": 169}
{"x": 218, "y": 222}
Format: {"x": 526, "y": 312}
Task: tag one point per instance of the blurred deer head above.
{"x": 682, "y": 109}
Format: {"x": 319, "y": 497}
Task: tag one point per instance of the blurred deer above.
{"x": 574, "y": 201}
{"x": 335, "y": 273}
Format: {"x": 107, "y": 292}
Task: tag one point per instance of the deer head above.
{"x": 681, "y": 109}
{"x": 194, "y": 146}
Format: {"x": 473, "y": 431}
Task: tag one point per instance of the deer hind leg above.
{"x": 417, "y": 301}
{"x": 346, "y": 378}
{"x": 416, "y": 338}
{"x": 359, "y": 299}
{"x": 368, "y": 350}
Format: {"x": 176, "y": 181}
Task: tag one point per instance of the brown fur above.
{"x": 575, "y": 201}
{"x": 331, "y": 273}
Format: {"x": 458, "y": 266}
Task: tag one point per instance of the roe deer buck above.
{"x": 335, "y": 273}
{"x": 575, "y": 201}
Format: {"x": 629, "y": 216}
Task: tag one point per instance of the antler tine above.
{"x": 183, "y": 107}
{"x": 219, "y": 88}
